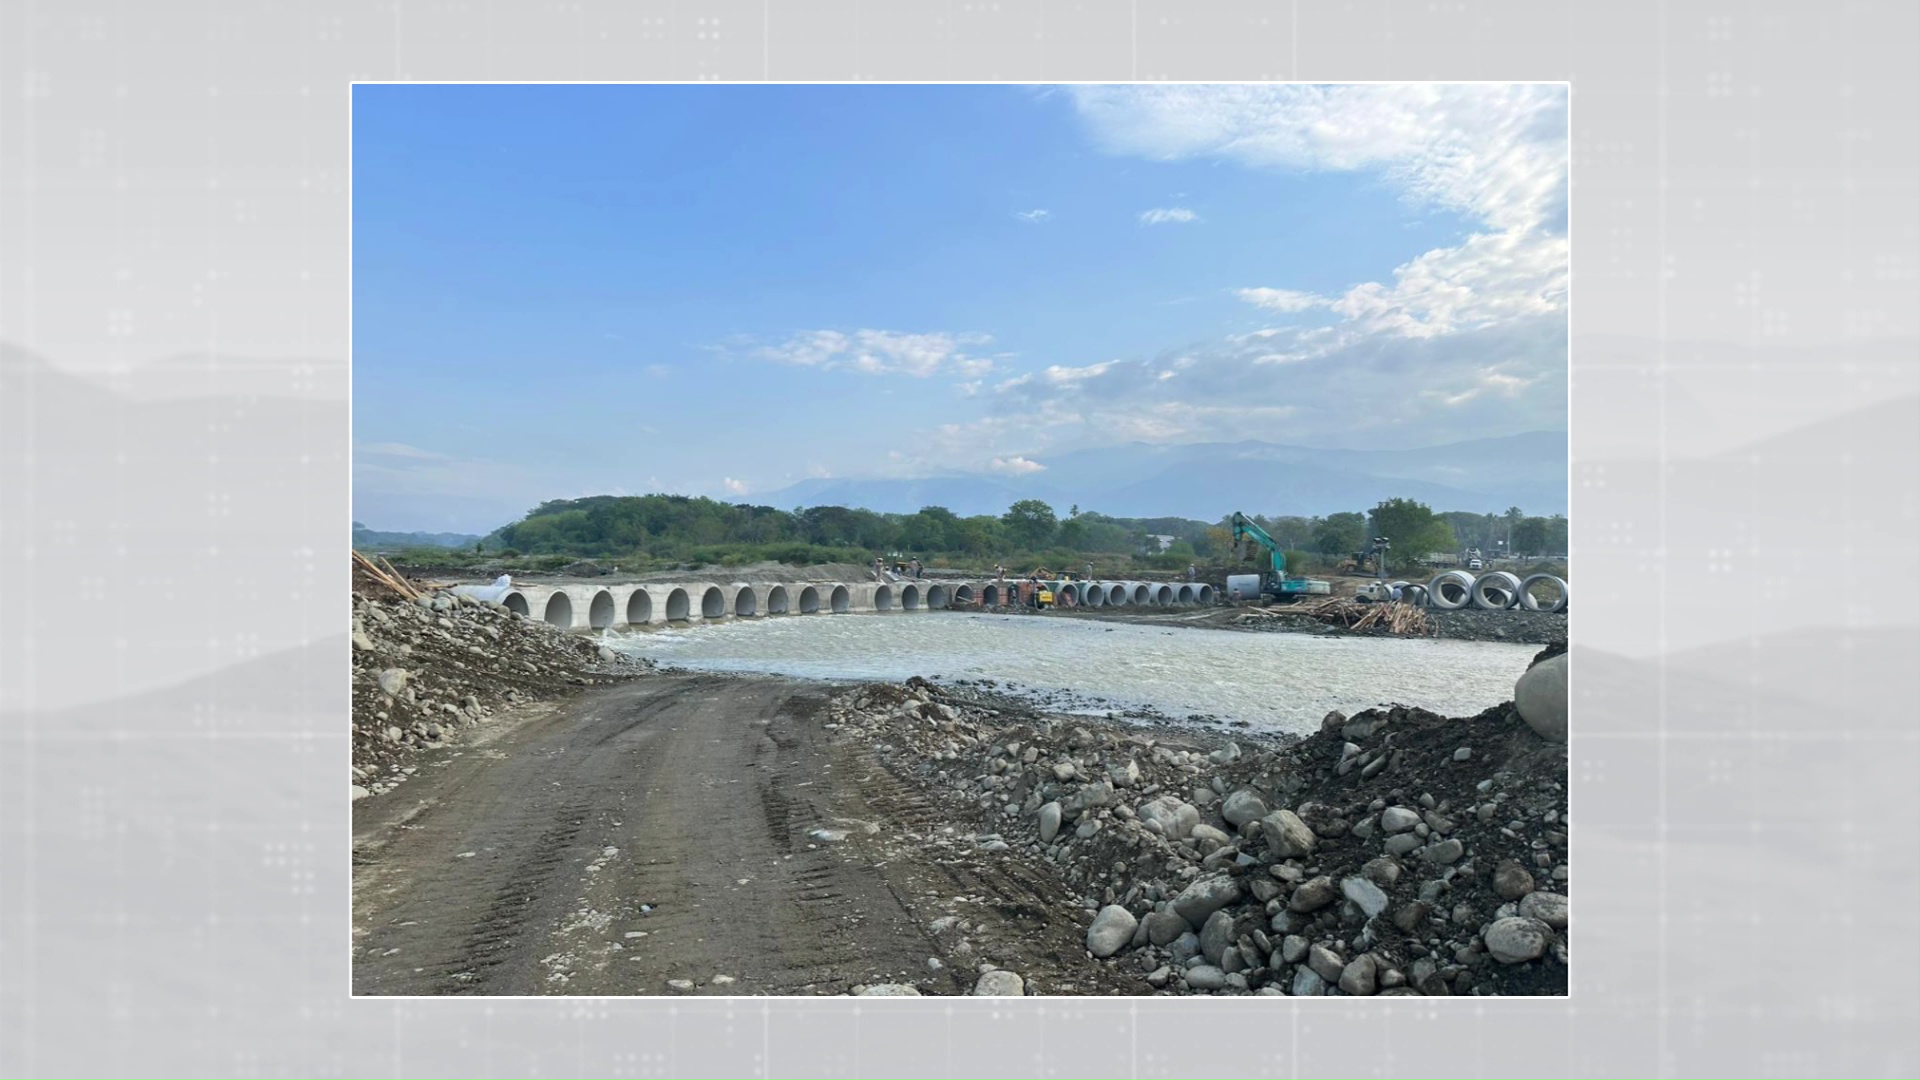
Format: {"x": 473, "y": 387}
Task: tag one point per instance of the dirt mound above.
{"x": 1391, "y": 853}
{"x": 423, "y": 669}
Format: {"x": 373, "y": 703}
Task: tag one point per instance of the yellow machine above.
{"x": 1045, "y": 597}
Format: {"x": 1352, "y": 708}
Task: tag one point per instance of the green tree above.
{"x": 1412, "y": 529}
{"x": 1340, "y": 534}
{"x": 1530, "y": 536}
{"x": 1030, "y": 524}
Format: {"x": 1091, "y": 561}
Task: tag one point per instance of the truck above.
{"x": 1275, "y": 581}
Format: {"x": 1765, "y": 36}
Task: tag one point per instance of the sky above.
{"x": 563, "y": 291}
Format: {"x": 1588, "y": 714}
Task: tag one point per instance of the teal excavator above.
{"x": 1275, "y": 582}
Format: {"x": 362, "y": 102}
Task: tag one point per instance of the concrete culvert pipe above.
{"x": 679, "y": 605}
{"x": 840, "y": 601}
{"x": 713, "y": 603}
{"x": 963, "y": 594}
{"x": 1183, "y": 595}
{"x": 1204, "y": 594}
{"x": 1163, "y": 595}
{"x": 809, "y": 600}
{"x": 1116, "y": 595}
{"x": 1414, "y": 594}
{"x": 883, "y": 598}
{"x": 1450, "y": 591}
{"x": 600, "y": 610}
{"x": 639, "y": 608}
{"x": 517, "y": 603}
{"x": 559, "y": 611}
{"x": 1095, "y": 596}
{"x": 745, "y": 603}
{"x": 910, "y": 597}
{"x": 1139, "y": 594}
{"x": 777, "y": 600}
{"x": 937, "y": 597}
{"x": 990, "y": 595}
{"x": 1533, "y": 603}
{"x": 1496, "y": 590}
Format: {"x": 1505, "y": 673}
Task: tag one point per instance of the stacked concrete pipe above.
{"x": 1496, "y": 590}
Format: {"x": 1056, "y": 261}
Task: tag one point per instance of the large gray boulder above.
{"x": 1112, "y": 929}
{"x": 1540, "y": 697}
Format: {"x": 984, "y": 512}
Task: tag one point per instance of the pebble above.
{"x": 1293, "y": 948}
{"x": 1003, "y": 984}
{"x": 1365, "y": 895}
{"x": 1516, "y": 939}
{"x": 1204, "y": 897}
{"x": 1548, "y": 907}
{"x": 884, "y": 990}
{"x": 1112, "y": 929}
{"x": 680, "y": 985}
{"x": 1163, "y": 927}
{"x": 1215, "y": 936}
{"x": 1465, "y": 753}
{"x": 1307, "y": 982}
{"x": 1402, "y": 843}
{"x": 360, "y": 793}
{"x": 1325, "y": 963}
{"x": 1446, "y": 851}
{"x": 1398, "y": 819}
{"x": 1359, "y": 978}
{"x": 1243, "y": 806}
{"x": 1049, "y": 822}
{"x": 1206, "y": 977}
{"x": 1287, "y": 835}
{"x": 1313, "y": 895}
{"x": 1511, "y": 880}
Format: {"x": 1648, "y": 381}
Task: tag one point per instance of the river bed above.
{"x": 1273, "y": 682}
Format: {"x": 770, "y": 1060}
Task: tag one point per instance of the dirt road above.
{"x": 669, "y": 830}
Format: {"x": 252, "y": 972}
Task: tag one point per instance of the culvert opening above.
{"x": 776, "y": 601}
{"x": 1184, "y": 596}
{"x": 840, "y": 600}
{"x": 639, "y": 608}
{"x": 559, "y": 610}
{"x": 910, "y": 597}
{"x": 809, "y": 600}
{"x": 990, "y": 595}
{"x": 600, "y": 610}
{"x": 1095, "y": 596}
{"x": 1116, "y": 594}
{"x": 517, "y": 604}
{"x": 1142, "y": 595}
{"x": 936, "y": 596}
{"x": 679, "y": 605}
{"x": 963, "y": 594}
{"x": 745, "y": 603}
{"x": 1204, "y": 594}
{"x": 713, "y": 603}
{"x": 1163, "y": 595}
{"x": 883, "y": 599}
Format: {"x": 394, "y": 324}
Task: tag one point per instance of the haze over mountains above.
{"x": 1207, "y": 481}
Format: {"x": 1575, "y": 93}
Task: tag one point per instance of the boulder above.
{"x": 1111, "y": 931}
{"x": 1204, "y": 897}
{"x": 1287, "y": 835}
{"x": 1243, "y": 806}
{"x": 1515, "y": 939}
{"x": 1000, "y": 984}
{"x": 1175, "y": 817}
{"x": 1540, "y": 697}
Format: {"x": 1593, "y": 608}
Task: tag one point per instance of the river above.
{"x": 1277, "y": 682}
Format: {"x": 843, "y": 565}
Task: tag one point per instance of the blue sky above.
{"x": 722, "y": 290}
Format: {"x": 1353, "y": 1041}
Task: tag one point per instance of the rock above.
{"x": 724, "y": 980}
{"x": 1465, "y": 753}
{"x": 359, "y": 793}
{"x": 1381, "y": 871}
{"x": 1540, "y": 697}
{"x": 1548, "y": 907}
{"x": 1243, "y": 806}
{"x": 1207, "y": 838}
{"x": 392, "y": 681}
{"x": 1307, "y": 982}
{"x": 1445, "y": 852}
{"x": 1175, "y": 817}
{"x": 392, "y": 734}
{"x": 1203, "y": 897}
{"x": 1293, "y": 948}
{"x": 1003, "y": 984}
{"x": 1515, "y": 940}
{"x": 1410, "y": 917}
{"x": 1159, "y": 976}
{"x": 1163, "y": 927}
{"x": 1402, "y": 843}
{"x": 1184, "y": 948}
{"x": 1365, "y": 895}
{"x": 1088, "y": 797}
{"x": 680, "y": 986}
{"x": 1511, "y": 880}
{"x": 1127, "y": 775}
{"x": 1314, "y": 894}
{"x": 1325, "y": 963}
{"x": 1063, "y": 771}
{"x": 885, "y": 990}
{"x": 1112, "y": 929}
{"x": 1359, "y": 977}
{"x": 1215, "y": 936}
{"x": 1226, "y": 755}
{"x": 1206, "y": 977}
{"x": 1397, "y": 819}
{"x": 1287, "y": 835}
{"x": 1049, "y": 822}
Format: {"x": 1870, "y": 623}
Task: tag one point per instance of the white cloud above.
{"x": 659, "y": 371}
{"x": 1496, "y": 154}
{"x": 400, "y": 451}
{"x": 1172, "y": 215}
{"x": 1056, "y": 375}
{"x": 734, "y": 487}
{"x": 1287, "y": 300}
{"x": 883, "y": 352}
{"x": 1033, "y": 216}
{"x": 1014, "y": 466}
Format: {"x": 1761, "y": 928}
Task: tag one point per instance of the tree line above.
{"x": 681, "y": 528}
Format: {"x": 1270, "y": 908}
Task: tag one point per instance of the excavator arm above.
{"x": 1244, "y": 528}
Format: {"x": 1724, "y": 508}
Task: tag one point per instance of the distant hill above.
{"x": 364, "y": 537}
{"x": 1210, "y": 480}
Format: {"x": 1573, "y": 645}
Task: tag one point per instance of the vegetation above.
{"x": 652, "y": 532}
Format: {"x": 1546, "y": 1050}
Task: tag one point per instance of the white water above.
{"x": 1275, "y": 681}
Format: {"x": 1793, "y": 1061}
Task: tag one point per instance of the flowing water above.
{"x": 1275, "y": 681}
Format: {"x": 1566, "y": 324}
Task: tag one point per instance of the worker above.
{"x": 1089, "y": 571}
{"x": 916, "y": 569}
{"x": 1193, "y": 572}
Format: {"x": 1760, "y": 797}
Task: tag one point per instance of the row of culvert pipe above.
{"x": 1496, "y": 590}
{"x": 600, "y": 607}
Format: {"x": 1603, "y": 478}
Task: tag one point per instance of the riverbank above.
{"x": 1465, "y": 624}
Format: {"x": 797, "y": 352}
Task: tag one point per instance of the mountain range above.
{"x": 1208, "y": 481}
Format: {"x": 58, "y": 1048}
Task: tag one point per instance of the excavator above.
{"x": 1275, "y": 582}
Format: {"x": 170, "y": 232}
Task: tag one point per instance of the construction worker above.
{"x": 1089, "y": 571}
{"x": 1193, "y": 572}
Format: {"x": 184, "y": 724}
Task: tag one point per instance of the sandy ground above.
{"x": 662, "y": 836}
